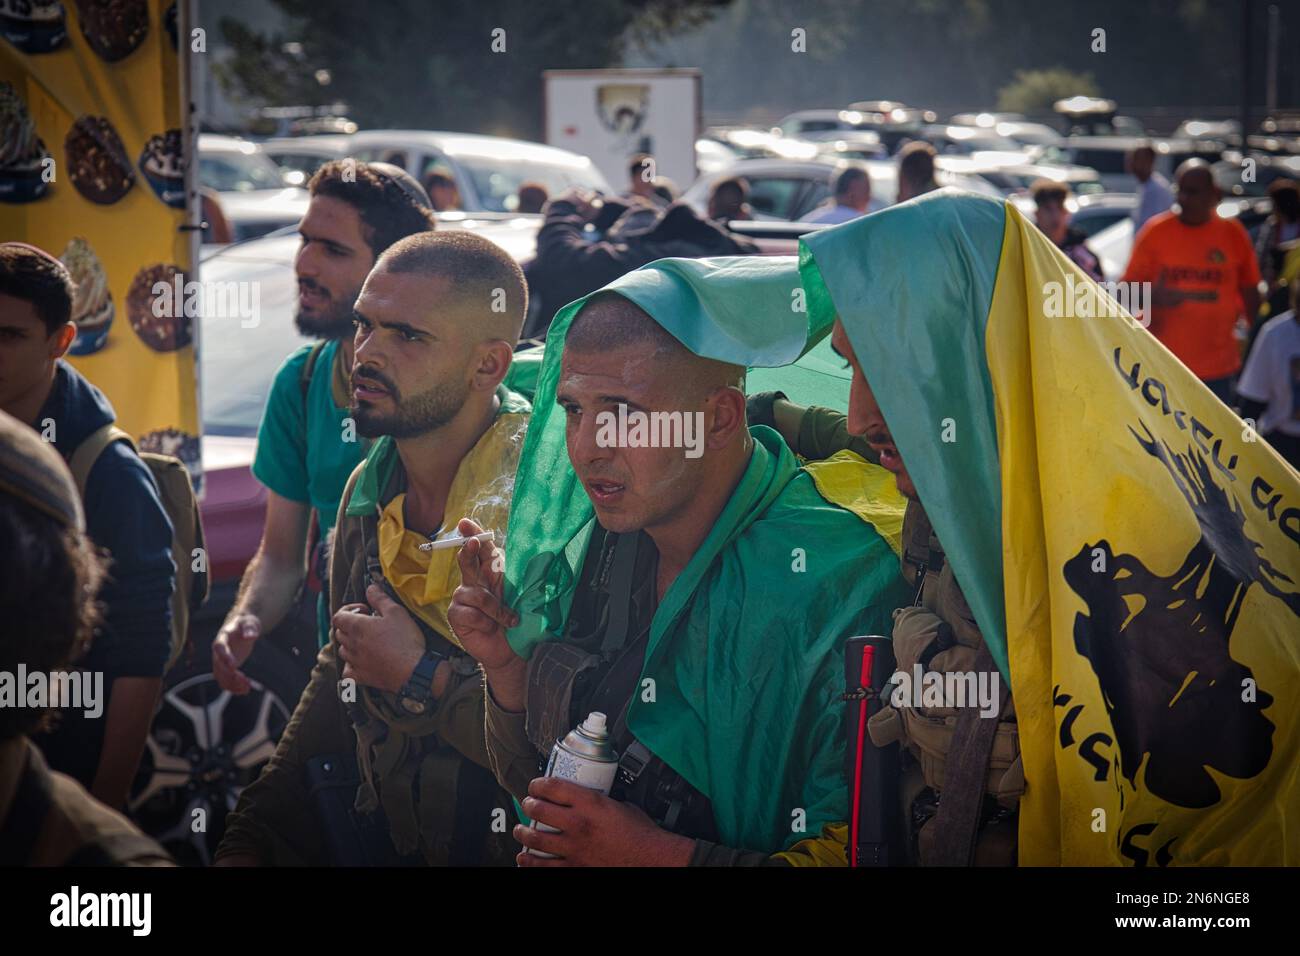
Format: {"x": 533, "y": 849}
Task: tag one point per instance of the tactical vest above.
{"x": 433, "y": 800}
{"x": 961, "y": 773}
{"x": 598, "y": 667}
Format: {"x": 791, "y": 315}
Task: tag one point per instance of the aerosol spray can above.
{"x": 586, "y": 757}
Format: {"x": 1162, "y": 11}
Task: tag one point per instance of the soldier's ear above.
{"x": 494, "y": 359}
{"x": 728, "y": 415}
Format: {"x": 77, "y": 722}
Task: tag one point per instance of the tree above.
{"x": 1034, "y": 91}
{"x": 460, "y": 64}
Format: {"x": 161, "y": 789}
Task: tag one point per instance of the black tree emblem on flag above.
{"x": 1160, "y": 645}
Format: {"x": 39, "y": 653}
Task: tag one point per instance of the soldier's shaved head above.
{"x": 484, "y": 282}
{"x": 610, "y": 321}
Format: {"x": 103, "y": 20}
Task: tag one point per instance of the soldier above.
{"x": 961, "y": 776}
{"x": 392, "y": 693}
{"x": 738, "y": 738}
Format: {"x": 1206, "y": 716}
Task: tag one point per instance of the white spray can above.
{"x": 586, "y": 757}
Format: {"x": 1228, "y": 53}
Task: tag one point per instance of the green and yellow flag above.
{"x": 1130, "y": 549}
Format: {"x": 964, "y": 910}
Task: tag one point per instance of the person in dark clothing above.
{"x": 729, "y": 199}
{"x": 532, "y": 197}
{"x": 915, "y": 171}
{"x": 1051, "y": 216}
{"x": 1279, "y": 236}
{"x": 124, "y": 517}
{"x": 641, "y": 179}
{"x": 569, "y": 265}
{"x": 47, "y": 570}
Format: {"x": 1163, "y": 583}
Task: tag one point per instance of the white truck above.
{"x": 610, "y": 115}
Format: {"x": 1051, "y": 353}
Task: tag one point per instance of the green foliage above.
{"x": 1034, "y": 91}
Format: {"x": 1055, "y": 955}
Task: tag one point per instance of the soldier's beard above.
{"x": 414, "y": 416}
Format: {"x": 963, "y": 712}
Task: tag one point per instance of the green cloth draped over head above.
{"x": 912, "y": 285}
{"x": 747, "y": 676}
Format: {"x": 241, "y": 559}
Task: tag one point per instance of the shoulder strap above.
{"x": 88, "y": 452}
{"x": 309, "y": 369}
{"x": 966, "y": 770}
{"x": 621, "y": 584}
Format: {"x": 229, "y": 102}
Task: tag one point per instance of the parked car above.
{"x": 965, "y": 140}
{"x": 488, "y": 170}
{"x": 1093, "y": 116}
{"x": 1232, "y": 181}
{"x": 789, "y": 191}
{"x": 1012, "y": 126}
{"x": 1016, "y": 177}
{"x": 892, "y": 122}
{"x": 206, "y": 745}
{"x": 744, "y": 142}
{"x": 817, "y": 124}
{"x": 300, "y": 156}
{"x": 251, "y": 188}
{"x": 856, "y": 144}
{"x": 1106, "y": 154}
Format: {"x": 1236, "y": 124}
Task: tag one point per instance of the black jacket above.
{"x": 125, "y": 517}
{"x": 569, "y": 266}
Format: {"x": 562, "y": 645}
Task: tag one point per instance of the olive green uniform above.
{"x": 426, "y": 777}
{"x": 48, "y": 819}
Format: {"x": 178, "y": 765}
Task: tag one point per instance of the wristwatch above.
{"x": 417, "y": 693}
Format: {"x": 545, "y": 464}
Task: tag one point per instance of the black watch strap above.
{"x": 419, "y": 686}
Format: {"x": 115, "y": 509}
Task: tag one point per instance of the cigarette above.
{"x": 455, "y": 542}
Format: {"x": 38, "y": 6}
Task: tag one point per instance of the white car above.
{"x": 488, "y": 170}
{"x": 252, "y": 190}
{"x": 300, "y": 156}
{"x": 1106, "y": 154}
{"x": 1012, "y": 126}
{"x": 788, "y": 191}
{"x": 1011, "y": 174}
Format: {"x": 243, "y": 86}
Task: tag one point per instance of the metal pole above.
{"x": 1274, "y": 30}
{"x": 1244, "y": 114}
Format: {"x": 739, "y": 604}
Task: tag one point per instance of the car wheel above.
{"x": 205, "y": 746}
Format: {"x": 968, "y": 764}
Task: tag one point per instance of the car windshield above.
{"x": 238, "y": 172}
{"x": 497, "y": 181}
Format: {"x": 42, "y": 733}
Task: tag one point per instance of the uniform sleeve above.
{"x": 824, "y": 431}
{"x": 281, "y": 459}
{"x": 511, "y": 755}
{"x": 125, "y": 516}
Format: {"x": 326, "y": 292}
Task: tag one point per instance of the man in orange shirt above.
{"x": 1204, "y": 275}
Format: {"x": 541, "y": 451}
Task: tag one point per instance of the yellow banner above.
{"x": 91, "y": 171}
{"x": 1152, "y": 552}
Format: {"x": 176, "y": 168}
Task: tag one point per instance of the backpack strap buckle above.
{"x": 636, "y": 757}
